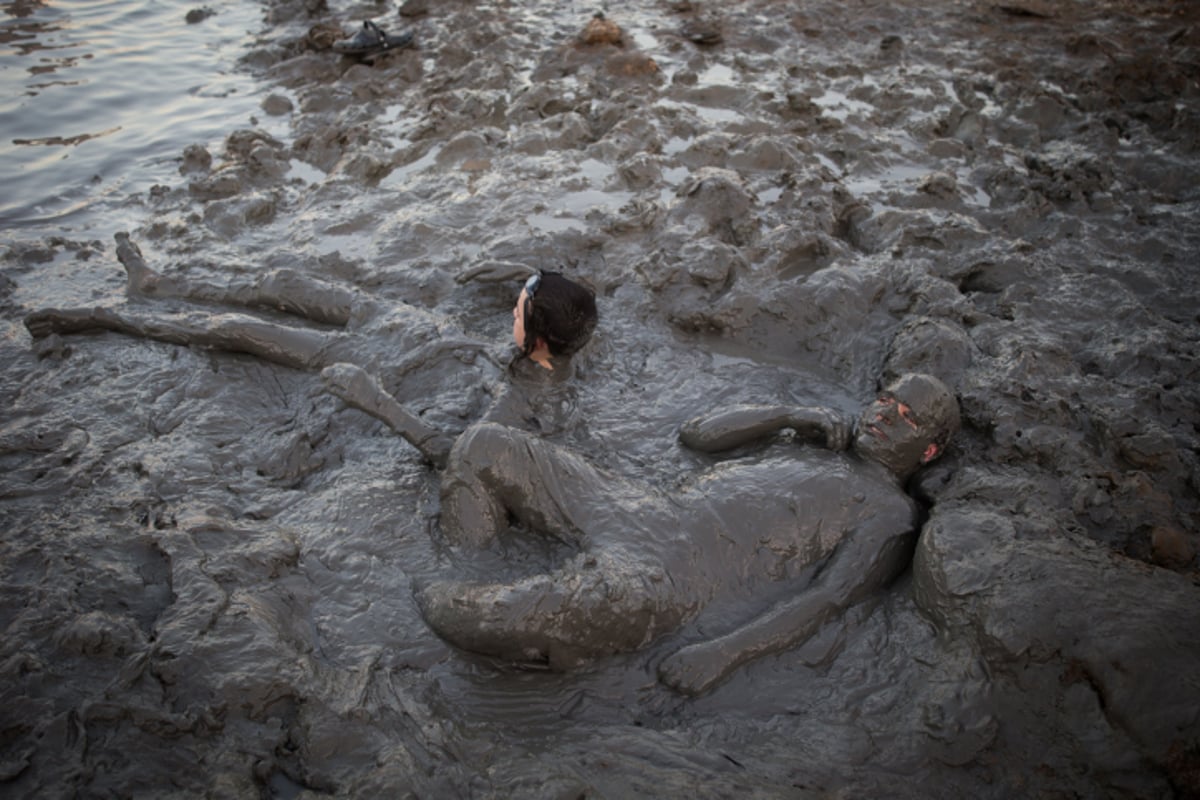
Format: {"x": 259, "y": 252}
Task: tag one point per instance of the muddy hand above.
{"x": 837, "y": 432}
{"x": 822, "y": 425}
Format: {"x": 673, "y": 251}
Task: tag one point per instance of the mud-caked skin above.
{"x": 649, "y": 561}
{"x": 562, "y": 321}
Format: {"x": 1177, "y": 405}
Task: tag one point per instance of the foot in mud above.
{"x": 372, "y": 40}
{"x": 72, "y": 320}
{"x": 140, "y": 279}
{"x": 353, "y": 385}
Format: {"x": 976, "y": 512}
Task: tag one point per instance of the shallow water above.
{"x": 100, "y": 98}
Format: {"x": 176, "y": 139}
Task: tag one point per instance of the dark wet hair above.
{"x": 561, "y": 312}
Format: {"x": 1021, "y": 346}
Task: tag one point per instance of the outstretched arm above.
{"x": 361, "y": 391}
{"x": 861, "y": 564}
{"x": 744, "y": 424}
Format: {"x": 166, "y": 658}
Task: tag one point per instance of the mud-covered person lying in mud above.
{"x": 350, "y": 336}
{"x": 649, "y": 560}
{"x": 553, "y": 318}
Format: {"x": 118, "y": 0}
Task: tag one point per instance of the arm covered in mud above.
{"x": 362, "y": 391}
{"x": 745, "y": 423}
{"x": 866, "y": 560}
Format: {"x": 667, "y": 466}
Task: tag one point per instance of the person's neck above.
{"x": 891, "y": 472}
{"x": 541, "y": 356}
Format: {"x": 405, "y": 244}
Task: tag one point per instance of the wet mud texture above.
{"x": 207, "y": 562}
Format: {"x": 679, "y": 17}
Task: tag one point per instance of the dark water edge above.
{"x": 207, "y": 560}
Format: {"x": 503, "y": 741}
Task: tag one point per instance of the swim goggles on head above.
{"x": 531, "y": 285}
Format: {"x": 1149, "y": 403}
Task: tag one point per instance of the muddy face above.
{"x": 908, "y": 425}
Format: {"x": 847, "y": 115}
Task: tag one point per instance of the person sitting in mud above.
{"x": 649, "y": 561}
{"x": 552, "y": 319}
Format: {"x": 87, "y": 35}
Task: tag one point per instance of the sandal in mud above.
{"x": 371, "y": 40}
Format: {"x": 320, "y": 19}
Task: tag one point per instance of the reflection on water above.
{"x": 101, "y": 96}
{"x": 716, "y": 75}
{"x": 840, "y": 107}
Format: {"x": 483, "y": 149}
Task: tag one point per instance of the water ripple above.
{"x": 103, "y": 96}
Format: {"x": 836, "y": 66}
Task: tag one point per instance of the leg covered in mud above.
{"x": 497, "y": 472}
{"x": 238, "y": 333}
{"x": 597, "y": 605}
{"x": 610, "y": 598}
{"x": 280, "y": 289}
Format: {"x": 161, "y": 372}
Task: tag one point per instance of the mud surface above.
{"x": 207, "y": 561}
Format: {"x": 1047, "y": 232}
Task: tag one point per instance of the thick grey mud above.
{"x": 208, "y": 560}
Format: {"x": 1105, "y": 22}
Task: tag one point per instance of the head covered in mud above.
{"x": 554, "y": 313}
{"x": 909, "y": 424}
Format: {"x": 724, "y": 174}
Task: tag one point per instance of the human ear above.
{"x": 931, "y": 452}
